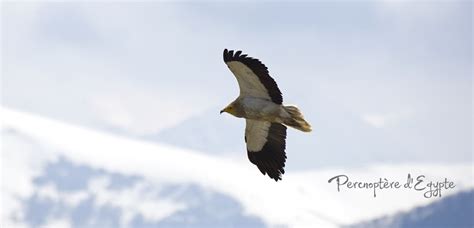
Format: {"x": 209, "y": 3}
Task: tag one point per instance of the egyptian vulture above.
{"x": 260, "y": 103}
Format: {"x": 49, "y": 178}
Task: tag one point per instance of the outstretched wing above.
{"x": 252, "y": 76}
{"x": 266, "y": 147}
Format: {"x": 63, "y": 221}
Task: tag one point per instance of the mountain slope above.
{"x": 452, "y": 211}
{"x": 301, "y": 199}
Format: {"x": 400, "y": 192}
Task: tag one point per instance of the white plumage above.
{"x": 249, "y": 84}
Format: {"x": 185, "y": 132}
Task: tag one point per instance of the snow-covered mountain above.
{"x": 59, "y": 174}
{"x": 208, "y": 132}
{"x": 453, "y": 211}
{"x": 84, "y": 196}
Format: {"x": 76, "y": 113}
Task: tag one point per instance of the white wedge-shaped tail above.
{"x": 296, "y": 120}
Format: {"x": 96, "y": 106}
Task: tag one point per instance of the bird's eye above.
{"x": 230, "y": 108}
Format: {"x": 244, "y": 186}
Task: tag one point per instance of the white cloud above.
{"x": 381, "y": 120}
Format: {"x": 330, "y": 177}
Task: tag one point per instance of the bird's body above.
{"x": 260, "y": 103}
{"x": 255, "y": 108}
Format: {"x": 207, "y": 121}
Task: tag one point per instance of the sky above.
{"x": 375, "y": 79}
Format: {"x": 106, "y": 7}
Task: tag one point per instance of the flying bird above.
{"x": 260, "y": 103}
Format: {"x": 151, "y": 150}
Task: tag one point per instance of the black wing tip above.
{"x": 271, "y": 159}
{"x": 273, "y": 167}
{"x": 259, "y": 69}
{"x": 232, "y": 55}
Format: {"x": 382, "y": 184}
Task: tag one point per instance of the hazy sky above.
{"x": 370, "y": 76}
